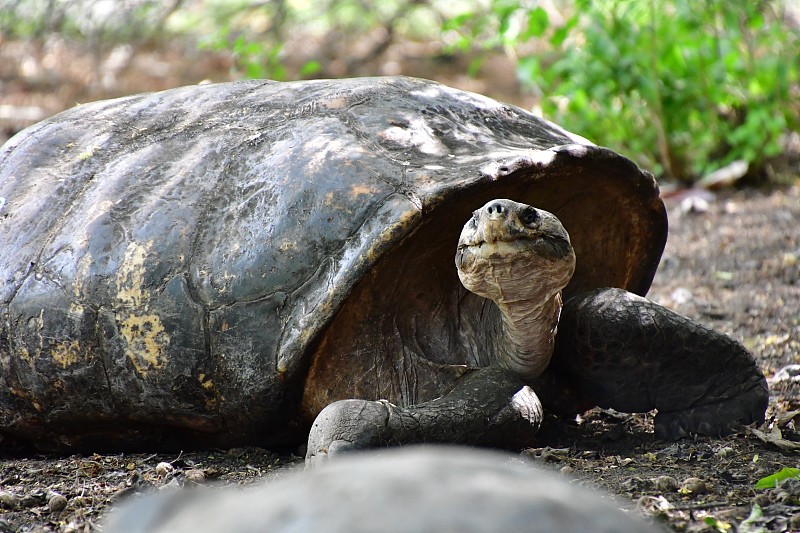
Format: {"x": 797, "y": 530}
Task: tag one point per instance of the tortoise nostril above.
{"x": 495, "y": 208}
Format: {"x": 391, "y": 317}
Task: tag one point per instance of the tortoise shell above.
{"x": 171, "y": 261}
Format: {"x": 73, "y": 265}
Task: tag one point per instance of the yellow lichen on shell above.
{"x": 144, "y": 334}
{"x": 66, "y": 353}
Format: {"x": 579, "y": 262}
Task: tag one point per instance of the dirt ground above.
{"x": 732, "y": 262}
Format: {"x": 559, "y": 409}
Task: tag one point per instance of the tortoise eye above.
{"x": 529, "y": 216}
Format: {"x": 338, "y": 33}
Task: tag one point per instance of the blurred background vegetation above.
{"x": 685, "y": 88}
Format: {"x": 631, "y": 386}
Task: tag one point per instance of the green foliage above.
{"x": 255, "y": 32}
{"x": 685, "y": 86}
{"x": 255, "y": 59}
{"x": 772, "y": 481}
{"x": 98, "y": 21}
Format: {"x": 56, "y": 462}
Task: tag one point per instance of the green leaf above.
{"x": 749, "y": 524}
{"x": 475, "y": 66}
{"x": 562, "y": 33}
{"x": 311, "y": 67}
{"x": 458, "y": 22}
{"x": 538, "y": 22}
{"x": 254, "y": 70}
{"x": 772, "y": 481}
{"x": 529, "y": 70}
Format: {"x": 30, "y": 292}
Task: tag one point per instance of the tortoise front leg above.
{"x": 488, "y": 407}
{"x": 633, "y": 355}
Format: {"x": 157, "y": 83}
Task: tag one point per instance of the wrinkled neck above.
{"x": 528, "y": 333}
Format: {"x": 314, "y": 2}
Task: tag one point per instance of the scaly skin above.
{"x": 634, "y": 355}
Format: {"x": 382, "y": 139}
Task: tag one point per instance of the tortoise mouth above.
{"x": 513, "y": 245}
{"x": 503, "y": 246}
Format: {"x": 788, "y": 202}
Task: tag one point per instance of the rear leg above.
{"x": 633, "y": 355}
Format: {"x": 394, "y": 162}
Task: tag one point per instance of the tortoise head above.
{"x": 512, "y": 252}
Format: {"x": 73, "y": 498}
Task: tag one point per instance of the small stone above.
{"x": 666, "y": 484}
{"x": 57, "y": 503}
{"x": 163, "y": 469}
{"x": 8, "y": 500}
{"x": 694, "y": 204}
{"x": 681, "y": 296}
{"x": 195, "y": 476}
{"x": 725, "y": 452}
{"x": 567, "y": 469}
{"x": 794, "y": 522}
{"x": 694, "y": 485}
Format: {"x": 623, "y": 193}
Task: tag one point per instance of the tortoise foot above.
{"x": 348, "y": 425}
{"x": 634, "y": 355}
{"x": 723, "y": 417}
{"x": 487, "y": 407}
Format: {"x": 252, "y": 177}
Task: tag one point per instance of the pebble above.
{"x": 794, "y": 521}
{"x": 9, "y": 500}
{"x": 695, "y": 485}
{"x": 725, "y": 452}
{"x": 163, "y": 469}
{"x": 666, "y": 484}
{"x": 195, "y": 476}
{"x": 57, "y": 503}
{"x": 567, "y": 469}
{"x": 694, "y": 204}
{"x": 681, "y": 296}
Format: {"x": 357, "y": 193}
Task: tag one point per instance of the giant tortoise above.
{"x": 213, "y": 265}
